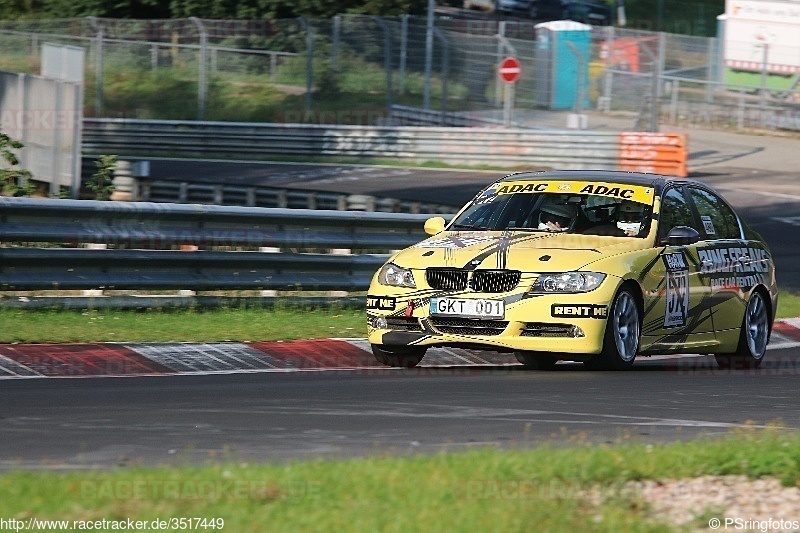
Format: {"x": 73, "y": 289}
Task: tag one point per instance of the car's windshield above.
{"x": 594, "y": 209}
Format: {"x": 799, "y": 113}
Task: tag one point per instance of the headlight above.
{"x": 395, "y": 276}
{"x": 568, "y": 282}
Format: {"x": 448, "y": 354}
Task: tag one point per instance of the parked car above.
{"x": 592, "y": 12}
{"x": 592, "y": 266}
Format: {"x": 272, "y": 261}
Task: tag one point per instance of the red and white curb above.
{"x": 149, "y": 359}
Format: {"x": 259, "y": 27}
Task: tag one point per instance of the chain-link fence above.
{"x": 364, "y": 70}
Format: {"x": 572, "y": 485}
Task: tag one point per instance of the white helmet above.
{"x": 629, "y": 217}
{"x": 557, "y": 217}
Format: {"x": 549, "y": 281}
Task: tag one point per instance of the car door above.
{"x": 677, "y": 313}
{"x": 730, "y": 264}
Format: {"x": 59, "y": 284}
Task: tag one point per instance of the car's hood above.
{"x": 517, "y": 250}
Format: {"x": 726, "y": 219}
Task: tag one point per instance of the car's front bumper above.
{"x": 557, "y": 323}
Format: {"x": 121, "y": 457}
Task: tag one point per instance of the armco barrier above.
{"x": 463, "y": 146}
{"x": 233, "y": 247}
{"x": 659, "y": 153}
{"x": 561, "y": 149}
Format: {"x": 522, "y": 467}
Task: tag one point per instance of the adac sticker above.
{"x": 622, "y": 191}
{"x": 579, "y": 311}
{"x": 677, "y": 279}
{"x": 384, "y": 303}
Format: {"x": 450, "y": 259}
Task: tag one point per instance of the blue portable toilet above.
{"x": 561, "y": 68}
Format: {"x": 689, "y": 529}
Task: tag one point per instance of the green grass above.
{"x": 788, "y": 304}
{"x": 198, "y": 325}
{"x": 159, "y": 325}
{"x": 542, "y": 489}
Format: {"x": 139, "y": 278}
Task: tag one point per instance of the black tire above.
{"x": 621, "y": 340}
{"x": 595, "y": 363}
{"x": 398, "y": 356}
{"x": 753, "y": 336}
{"x": 536, "y": 361}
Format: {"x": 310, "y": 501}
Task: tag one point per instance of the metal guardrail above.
{"x": 562, "y": 149}
{"x": 146, "y": 190}
{"x": 193, "y": 247}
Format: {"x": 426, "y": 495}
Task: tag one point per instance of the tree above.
{"x": 13, "y": 181}
{"x": 101, "y": 182}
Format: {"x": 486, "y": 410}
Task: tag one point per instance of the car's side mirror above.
{"x": 434, "y": 225}
{"x": 682, "y": 236}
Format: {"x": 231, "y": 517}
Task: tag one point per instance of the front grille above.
{"x": 547, "y": 330}
{"x": 446, "y": 279}
{"x": 403, "y": 323}
{"x": 452, "y": 279}
{"x": 495, "y": 280}
{"x": 464, "y": 326}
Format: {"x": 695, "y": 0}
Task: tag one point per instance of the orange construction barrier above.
{"x": 659, "y": 153}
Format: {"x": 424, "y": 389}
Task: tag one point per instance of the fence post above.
{"x": 98, "y": 66}
{"x": 337, "y": 30}
{"x": 445, "y": 68}
{"x": 201, "y": 83}
{"x": 387, "y": 59}
{"x": 609, "y": 76}
{"x": 674, "y": 97}
{"x": 712, "y": 70}
{"x": 426, "y": 99}
{"x": 498, "y": 83}
{"x": 658, "y": 73}
{"x": 22, "y": 125}
{"x": 77, "y": 142}
{"x": 309, "y": 61}
{"x": 403, "y": 51}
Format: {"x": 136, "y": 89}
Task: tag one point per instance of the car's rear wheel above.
{"x": 621, "y": 341}
{"x": 398, "y": 356}
{"x": 753, "y": 336}
{"x": 536, "y": 361}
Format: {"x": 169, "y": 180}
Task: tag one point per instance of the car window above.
{"x": 719, "y": 221}
{"x": 590, "y": 208}
{"x": 675, "y": 211}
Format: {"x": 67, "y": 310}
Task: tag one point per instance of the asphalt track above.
{"x": 203, "y": 403}
{"x": 188, "y": 403}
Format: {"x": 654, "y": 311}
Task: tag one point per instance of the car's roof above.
{"x": 657, "y": 181}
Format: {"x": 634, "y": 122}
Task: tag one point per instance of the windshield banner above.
{"x": 622, "y": 191}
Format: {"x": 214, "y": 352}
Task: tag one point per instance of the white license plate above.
{"x": 468, "y": 307}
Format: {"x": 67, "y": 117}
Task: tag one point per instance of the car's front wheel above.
{"x": 536, "y": 361}
{"x": 753, "y": 336}
{"x": 621, "y": 341}
{"x": 398, "y": 356}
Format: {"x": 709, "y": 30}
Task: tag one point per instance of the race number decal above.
{"x": 677, "y": 291}
{"x": 708, "y": 225}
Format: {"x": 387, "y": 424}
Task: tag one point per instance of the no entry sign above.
{"x": 509, "y": 70}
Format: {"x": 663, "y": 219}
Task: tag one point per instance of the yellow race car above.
{"x": 592, "y": 266}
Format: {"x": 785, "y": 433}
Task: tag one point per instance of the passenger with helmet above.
{"x": 557, "y": 217}
{"x": 630, "y": 218}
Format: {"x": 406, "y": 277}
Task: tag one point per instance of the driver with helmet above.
{"x": 557, "y": 217}
{"x": 630, "y": 216}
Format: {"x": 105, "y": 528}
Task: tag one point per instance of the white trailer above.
{"x": 763, "y": 37}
